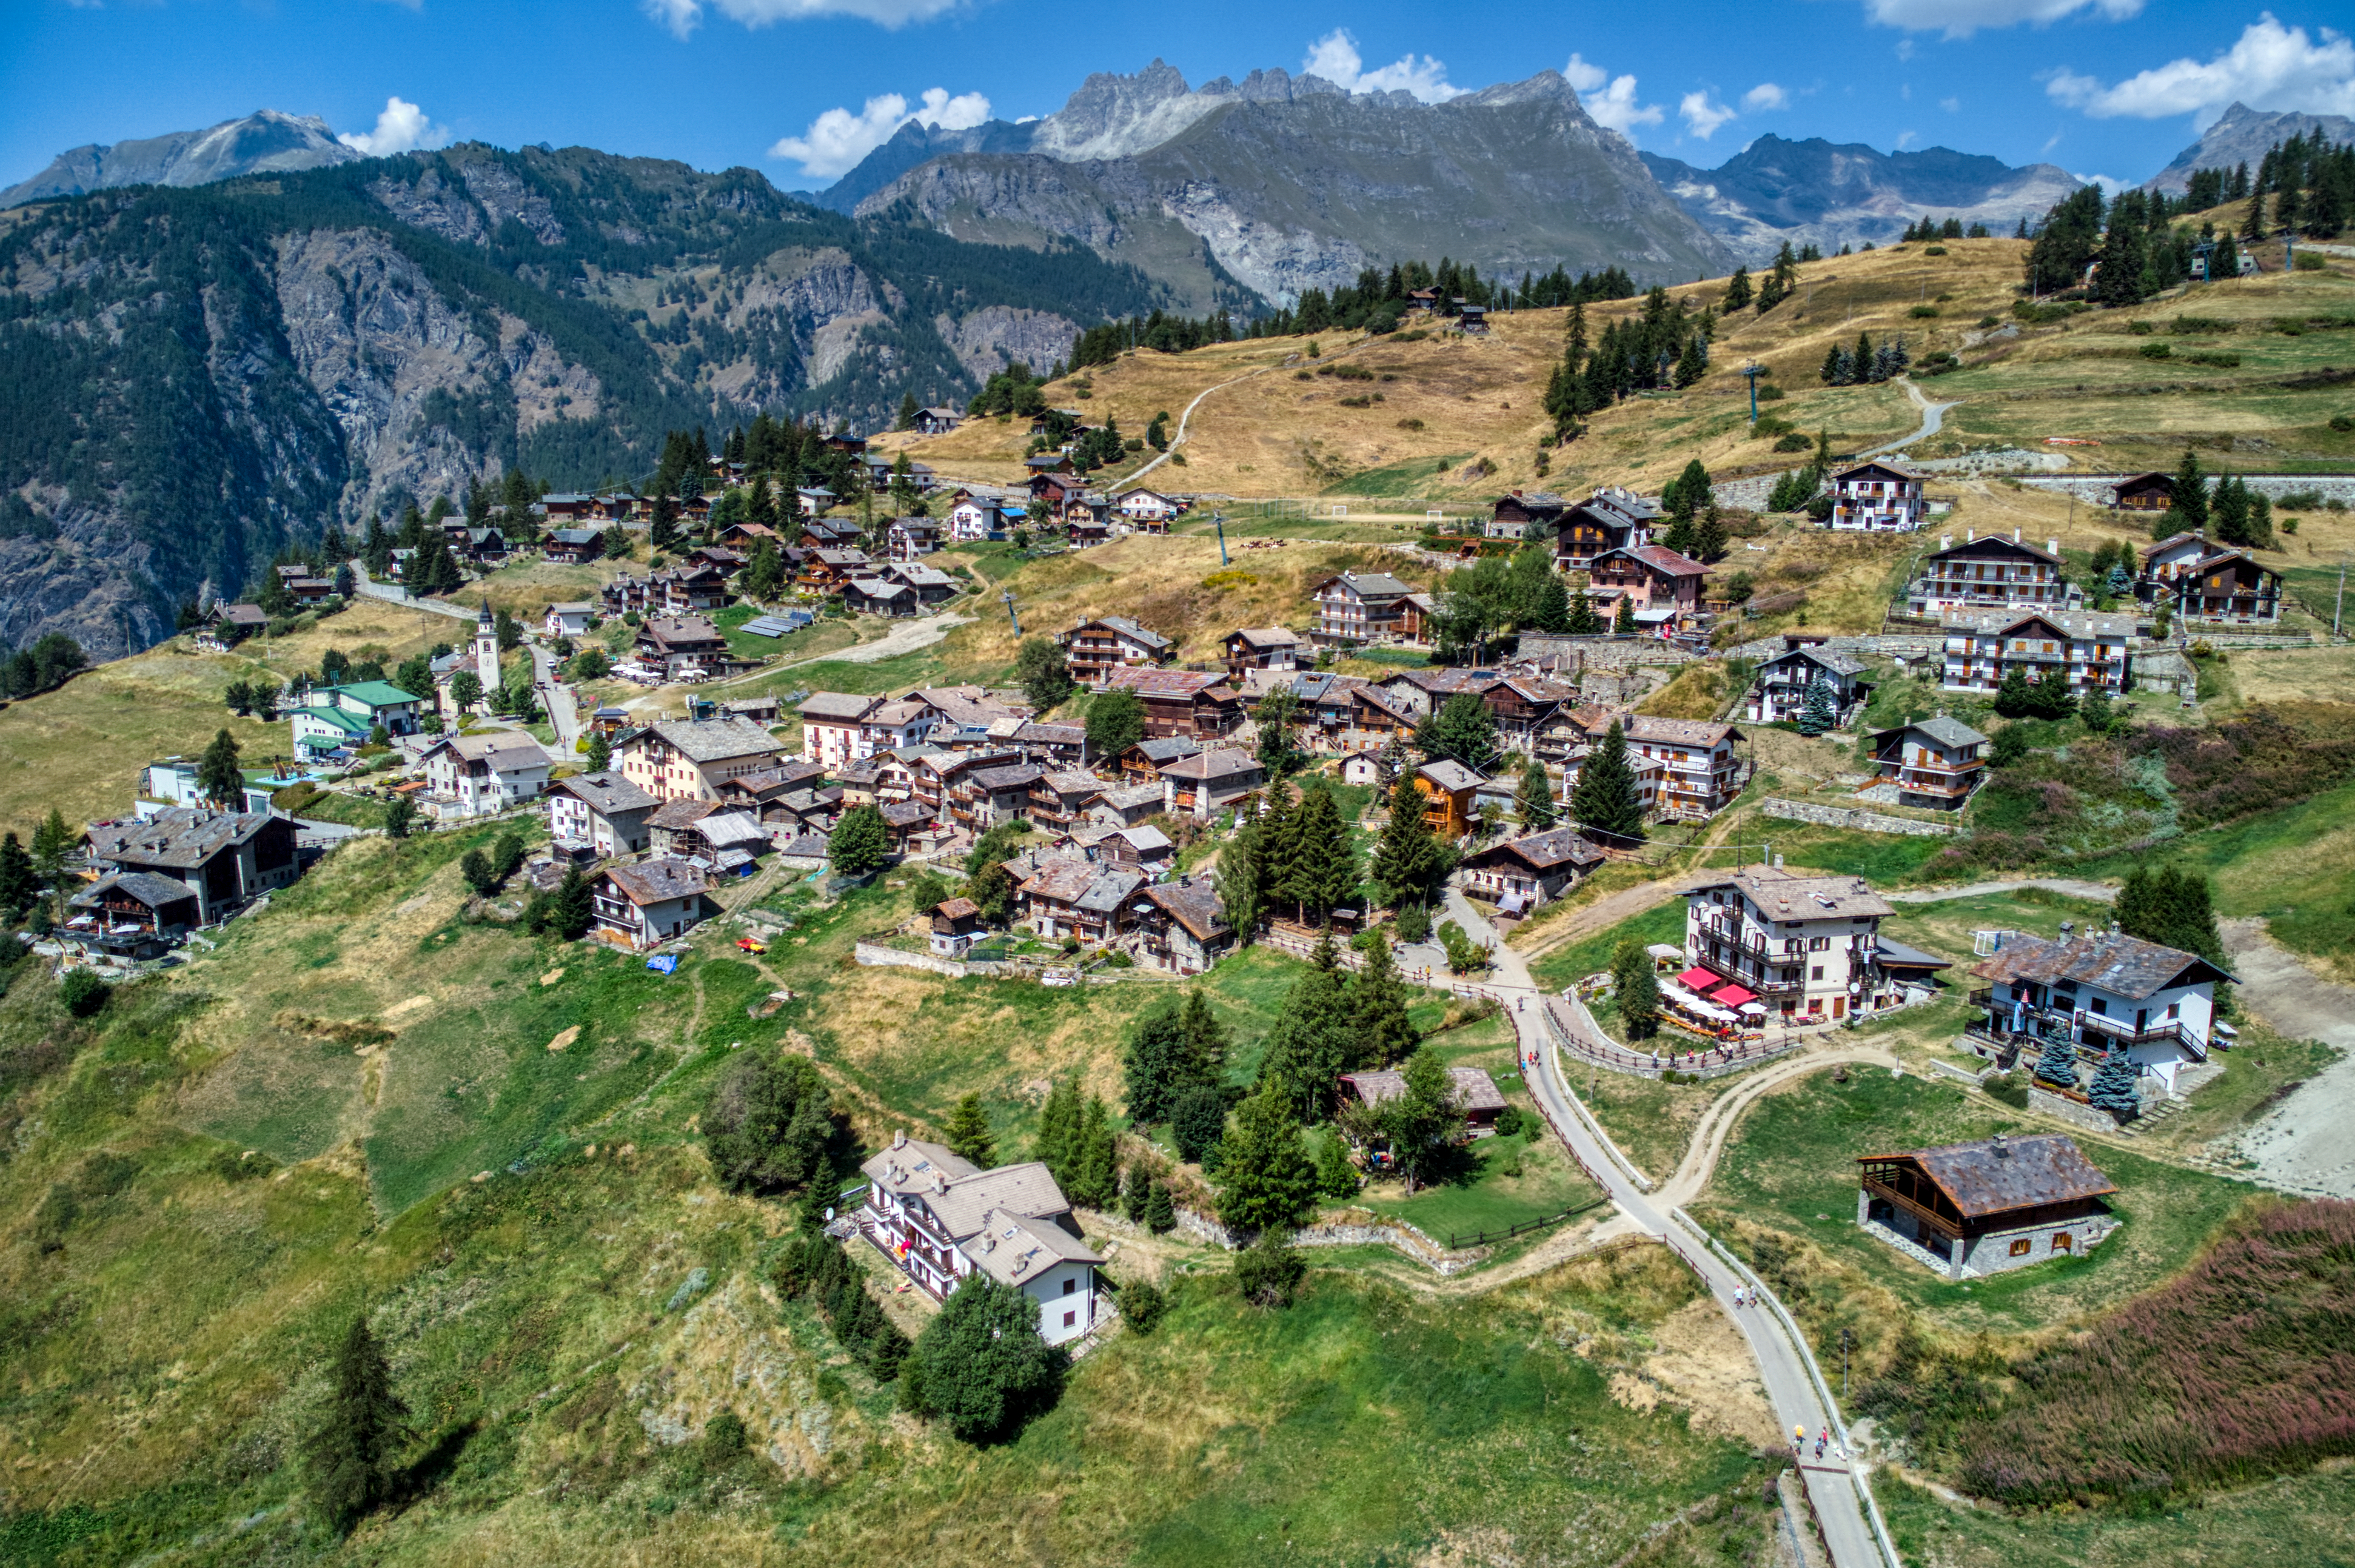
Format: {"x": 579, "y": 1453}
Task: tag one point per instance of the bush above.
{"x": 1268, "y": 1271}
{"x": 1142, "y": 1305}
{"x": 2008, "y": 1088}
{"x": 82, "y": 992}
{"x": 1509, "y": 1121}
{"x": 814, "y": 1266}
{"x": 1925, "y": 311}
{"x": 232, "y": 1166}
{"x": 1198, "y": 1120}
{"x": 2343, "y": 422}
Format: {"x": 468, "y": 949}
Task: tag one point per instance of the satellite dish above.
{"x": 829, "y": 1216}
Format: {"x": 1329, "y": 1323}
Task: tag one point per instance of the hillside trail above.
{"x": 1933, "y": 416}
{"x": 2301, "y": 1144}
{"x": 1185, "y": 418}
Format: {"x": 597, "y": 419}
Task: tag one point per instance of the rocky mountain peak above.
{"x": 2242, "y": 136}
{"x": 265, "y": 142}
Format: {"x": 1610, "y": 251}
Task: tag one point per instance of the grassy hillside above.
{"x": 80, "y": 747}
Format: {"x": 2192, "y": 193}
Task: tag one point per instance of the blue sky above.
{"x": 798, "y": 89}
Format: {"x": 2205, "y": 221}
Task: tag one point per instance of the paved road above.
{"x": 2303, "y": 1144}
{"x": 562, "y": 712}
{"x": 1781, "y": 1365}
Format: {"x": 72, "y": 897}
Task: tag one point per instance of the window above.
{"x": 2101, "y": 1007}
{"x": 1818, "y": 972}
{"x": 1070, "y": 1318}
{"x": 2060, "y": 1243}
{"x": 1818, "y": 944}
{"x": 2019, "y": 1248}
{"x": 1069, "y": 1286}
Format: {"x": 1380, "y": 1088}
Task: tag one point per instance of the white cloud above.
{"x": 683, "y": 16}
{"x": 1702, "y": 115}
{"x": 837, "y": 138}
{"x": 1905, "y": 139}
{"x": 1951, "y": 105}
{"x": 1765, "y": 95}
{"x": 1335, "y": 58}
{"x": 1609, "y": 99}
{"x": 2270, "y": 66}
{"x": 399, "y": 129}
{"x": 1961, "y": 18}
{"x": 2110, "y": 186}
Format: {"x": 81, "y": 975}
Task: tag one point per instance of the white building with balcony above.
{"x": 2102, "y": 991}
{"x": 1984, "y": 574}
{"x": 1802, "y": 947}
{"x": 2095, "y": 651}
{"x": 942, "y": 1219}
{"x": 1877, "y": 497}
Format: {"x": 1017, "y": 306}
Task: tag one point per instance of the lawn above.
{"x": 1510, "y": 1182}
{"x": 2305, "y": 1519}
{"x": 1568, "y": 965}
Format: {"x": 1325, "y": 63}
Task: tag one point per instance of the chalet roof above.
{"x": 1944, "y": 731}
{"x": 1011, "y": 1249}
{"x": 1266, "y": 636}
{"x": 905, "y": 813}
{"x": 2226, "y": 558}
{"x": 1534, "y": 501}
{"x": 1619, "y": 508}
{"x": 912, "y": 1165}
{"x": 1897, "y": 956}
{"x": 2076, "y": 625}
{"x": 1368, "y": 584}
{"x": 724, "y": 828}
{"x": 498, "y": 751}
{"x": 1786, "y": 895}
{"x": 184, "y": 836}
{"x": 1165, "y": 749}
{"x": 1660, "y": 558}
{"x": 657, "y": 882}
{"x": 963, "y": 705}
{"x": 712, "y": 739}
{"x": 573, "y": 608}
{"x": 369, "y": 693}
{"x": 1875, "y": 465}
{"x": 843, "y": 558}
{"x": 1105, "y": 894}
{"x": 2151, "y": 480}
{"x": 1830, "y": 660}
{"x": 840, "y": 705}
{"x": 1192, "y": 904}
{"x": 1016, "y": 775}
{"x": 1145, "y": 838}
{"x": 148, "y": 888}
{"x": 1449, "y": 775}
{"x": 1169, "y": 682}
{"x": 2109, "y": 961}
{"x": 1219, "y": 763}
{"x": 920, "y": 576}
{"x": 2175, "y": 541}
{"x": 574, "y": 536}
{"x": 1062, "y": 881}
{"x": 1544, "y": 851}
{"x": 682, "y": 631}
{"x": 2000, "y": 1174}
{"x": 683, "y": 813}
{"x": 604, "y": 793}
{"x": 1475, "y": 1090}
{"x": 1027, "y": 1189}
{"x": 1033, "y": 733}
{"x": 1073, "y": 781}
{"x": 242, "y": 614}
{"x": 1126, "y": 628}
{"x": 1991, "y": 545}
{"x": 1678, "y": 731}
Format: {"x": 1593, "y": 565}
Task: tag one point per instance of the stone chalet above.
{"x": 1977, "y": 1208}
{"x": 1360, "y": 607}
{"x": 1933, "y": 763}
{"x": 1093, "y": 649}
{"x": 129, "y": 914}
{"x": 1801, "y": 946}
{"x": 646, "y": 904}
{"x": 1781, "y": 690}
{"x": 1078, "y": 897}
{"x": 693, "y": 757}
{"x": 941, "y": 1219}
{"x": 1180, "y": 926}
{"x": 226, "y": 859}
{"x": 1262, "y": 647}
{"x": 1203, "y": 704}
{"x": 1611, "y": 518}
{"x": 2102, "y": 991}
{"x": 1984, "y": 574}
{"x": 1875, "y": 496}
{"x": 956, "y": 926}
{"x": 1204, "y": 784}
{"x": 1519, "y": 874}
{"x": 604, "y": 811}
{"x": 1525, "y": 515}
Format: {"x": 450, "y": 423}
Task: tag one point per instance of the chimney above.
{"x": 1969, "y": 535}
{"x": 2015, "y": 533}
{"x": 900, "y": 1138}
{"x": 2114, "y": 928}
{"x": 2068, "y": 929}
{"x": 1945, "y": 541}
{"x": 2003, "y": 1149}
{"x": 2052, "y": 546}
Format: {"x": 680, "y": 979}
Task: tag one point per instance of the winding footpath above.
{"x": 1838, "y": 1492}
{"x": 1933, "y": 416}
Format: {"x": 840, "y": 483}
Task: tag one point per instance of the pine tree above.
{"x": 1336, "y": 1176}
{"x": 1678, "y": 537}
{"x": 907, "y": 416}
{"x": 1242, "y": 878}
{"x": 1604, "y": 802}
{"x": 1056, "y": 1146}
{"x": 1160, "y": 1214}
{"x": 2014, "y": 698}
{"x": 1711, "y": 538}
{"x": 1622, "y": 620}
{"x": 1582, "y": 622}
{"x": 601, "y": 751}
{"x": 1205, "y": 1039}
{"x": 1378, "y": 1010}
{"x": 1410, "y": 863}
{"x": 1462, "y": 730}
{"x": 218, "y": 778}
{"x": 968, "y": 1132}
{"x": 1819, "y": 713}
{"x": 350, "y": 1453}
{"x": 573, "y": 910}
{"x": 2058, "y": 1064}
{"x": 1534, "y": 800}
{"x": 18, "y": 886}
{"x": 2113, "y": 1089}
{"x": 2230, "y": 512}
{"x": 1636, "y": 990}
{"x": 1096, "y": 1168}
{"x": 1267, "y": 1182}
{"x": 1154, "y": 1061}
{"x": 1322, "y": 875}
{"x": 2189, "y": 494}
{"x": 1311, "y": 1044}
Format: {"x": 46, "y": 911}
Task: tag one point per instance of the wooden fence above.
{"x": 1482, "y": 1237}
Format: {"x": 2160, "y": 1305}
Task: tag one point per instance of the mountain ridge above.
{"x": 2242, "y": 135}
{"x": 264, "y": 141}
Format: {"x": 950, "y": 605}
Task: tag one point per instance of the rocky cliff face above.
{"x": 1290, "y": 184}
{"x": 1815, "y": 192}
{"x": 265, "y": 142}
{"x": 2243, "y": 136}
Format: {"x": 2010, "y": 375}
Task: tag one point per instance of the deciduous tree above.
{"x": 767, "y": 1123}
{"x": 980, "y": 1366}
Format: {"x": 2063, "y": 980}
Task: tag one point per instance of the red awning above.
{"x": 1698, "y": 978}
{"x": 1733, "y": 996}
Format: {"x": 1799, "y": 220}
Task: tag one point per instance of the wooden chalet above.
{"x": 2144, "y": 493}
{"x": 1977, "y": 1208}
{"x": 1611, "y": 518}
{"x": 1525, "y": 515}
{"x": 1203, "y": 704}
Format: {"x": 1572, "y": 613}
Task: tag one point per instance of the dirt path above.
{"x": 1608, "y": 911}
{"x": 1716, "y": 1124}
{"x": 2100, "y": 893}
{"x": 905, "y": 638}
{"x": 2303, "y": 1144}
{"x": 1932, "y": 416}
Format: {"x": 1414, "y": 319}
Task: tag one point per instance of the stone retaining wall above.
{"x": 2101, "y": 489}
{"x": 1407, "y": 1238}
{"x": 2067, "y": 1110}
{"x": 877, "y": 955}
{"x": 1605, "y": 652}
{"x": 1852, "y": 819}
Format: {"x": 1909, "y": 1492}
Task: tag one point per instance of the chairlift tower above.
{"x": 1751, "y": 372}
{"x": 1008, "y": 597}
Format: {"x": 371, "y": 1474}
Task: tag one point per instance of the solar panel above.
{"x": 774, "y": 625}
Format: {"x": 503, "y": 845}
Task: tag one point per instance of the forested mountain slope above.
{"x": 191, "y": 379}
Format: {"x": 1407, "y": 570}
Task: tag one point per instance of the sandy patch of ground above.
{"x": 565, "y": 1038}
{"x": 1703, "y": 1366}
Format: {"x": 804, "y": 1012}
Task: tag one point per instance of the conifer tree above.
{"x": 1154, "y": 1062}
{"x": 218, "y": 779}
{"x": 18, "y": 886}
{"x": 1160, "y": 1214}
{"x": 1267, "y": 1182}
{"x": 2014, "y": 698}
{"x": 1322, "y": 873}
{"x": 1552, "y": 610}
{"x": 1242, "y": 878}
{"x": 1711, "y": 538}
{"x": 1096, "y": 1170}
{"x": 2113, "y": 1089}
{"x": 1377, "y": 1009}
{"x": 1311, "y": 1044}
{"x": 1582, "y": 622}
{"x": 1205, "y": 1039}
{"x": 1056, "y": 1146}
{"x": 1604, "y": 802}
{"x": 1817, "y": 714}
{"x": 350, "y": 1452}
{"x": 599, "y": 755}
{"x": 2058, "y": 1064}
{"x": 1534, "y": 799}
{"x": 2189, "y": 494}
{"x": 1410, "y": 863}
{"x": 1622, "y": 620}
{"x": 968, "y": 1132}
{"x": 1635, "y": 989}
{"x": 1336, "y": 1176}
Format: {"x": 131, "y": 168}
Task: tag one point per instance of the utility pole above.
{"x": 2340, "y": 602}
{"x": 1008, "y": 597}
{"x": 1848, "y": 1340}
{"x": 1219, "y": 521}
{"x": 1752, "y": 371}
